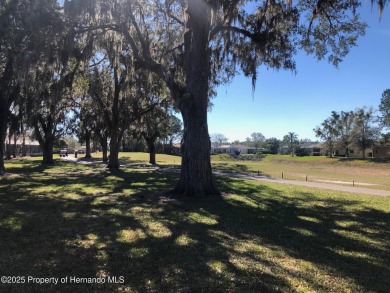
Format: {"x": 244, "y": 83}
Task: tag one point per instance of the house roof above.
{"x": 234, "y": 146}
{"x": 27, "y": 142}
{"x": 309, "y": 145}
{"x": 245, "y": 147}
{"x": 382, "y": 146}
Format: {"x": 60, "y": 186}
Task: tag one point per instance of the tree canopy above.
{"x": 384, "y": 108}
{"x": 189, "y": 46}
{"x": 347, "y": 129}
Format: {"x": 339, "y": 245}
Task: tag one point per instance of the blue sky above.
{"x": 284, "y": 101}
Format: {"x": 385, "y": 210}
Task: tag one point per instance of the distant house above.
{"x": 232, "y": 149}
{"x": 31, "y": 147}
{"x": 284, "y": 150}
{"x": 81, "y": 149}
{"x": 354, "y": 152}
{"x": 382, "y": 151}
{"x": 317, "y": 149}
{"x": 311, "y": 149}
{"x": 172, "y": 149}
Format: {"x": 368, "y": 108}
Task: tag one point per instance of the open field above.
{"x": 316, "y": 168}
{"x": 141, "y": 158}
{"x": 297, "y": 168}
{"x": 87, "y": 221}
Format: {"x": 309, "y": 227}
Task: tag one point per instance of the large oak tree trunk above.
{"x": 46, "y": 140}
{"x": 113, "y": 158}
{"x": 196, "y": 177}
{"x": 115, "y": 132}
{"x": 47, "y": 150}
{"x": 88, "y": 144}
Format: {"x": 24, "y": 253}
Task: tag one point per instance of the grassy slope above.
{"x": 317, "y": 168}
{"x": 72, "y": 220}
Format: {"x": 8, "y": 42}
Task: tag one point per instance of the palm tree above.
{"x": 291, "y": 139}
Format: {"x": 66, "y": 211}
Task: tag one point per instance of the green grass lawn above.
{"x": 316, "y": 168}
{"x": 136, "y": 159}
{"x": 86, "y": 221}
{"x": 297, "y": 168}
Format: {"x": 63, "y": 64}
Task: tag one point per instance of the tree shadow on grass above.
{"x": 342, "y": 235}
{"x": 237, "y": 169}
{"x": 25, "y": 166}
{"x": 123, "y": 161}
{"x": 251, "y": 241}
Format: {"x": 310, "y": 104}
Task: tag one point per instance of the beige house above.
{"x": 382, "y": 151}
{"x": 355, "y": 152}
{"x": 32, "y": 147}
{"x": 311, "y": 149}
{"x": 233, "y": 149}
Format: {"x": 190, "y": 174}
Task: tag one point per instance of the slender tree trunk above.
{"x": 103, "y": 144}
{"x": 15, "y": 146}
{"x": 24, "y": 140}
{"x": 9, "y": 144}
{"x": 88, "y": 144}
{"x": 152, "y": 151}
{"x": 170, "y": 149}
{"x": 196, "y": 177}
{"x": 151, "y": 142}
{"x": 6, "y": 99}
{"x": 152, "y": 155}
{"x": 3, "y": 134}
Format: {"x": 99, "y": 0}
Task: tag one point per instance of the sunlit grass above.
{"x": 87, "y": 221}
{"x": 311, "y": 168}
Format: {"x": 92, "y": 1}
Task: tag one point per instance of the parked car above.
{"x": 63, "y": 153}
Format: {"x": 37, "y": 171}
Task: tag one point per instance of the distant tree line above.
{"x": 290, "y": 142}
{"x": 361, "y": 128}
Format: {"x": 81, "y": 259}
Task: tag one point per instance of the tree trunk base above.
{"x": 186, "y": 192}
{"x": 195, "y": 189}
{"x": 113, "y": 166}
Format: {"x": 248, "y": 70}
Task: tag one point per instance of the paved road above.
{"x": 311, "y": 184}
